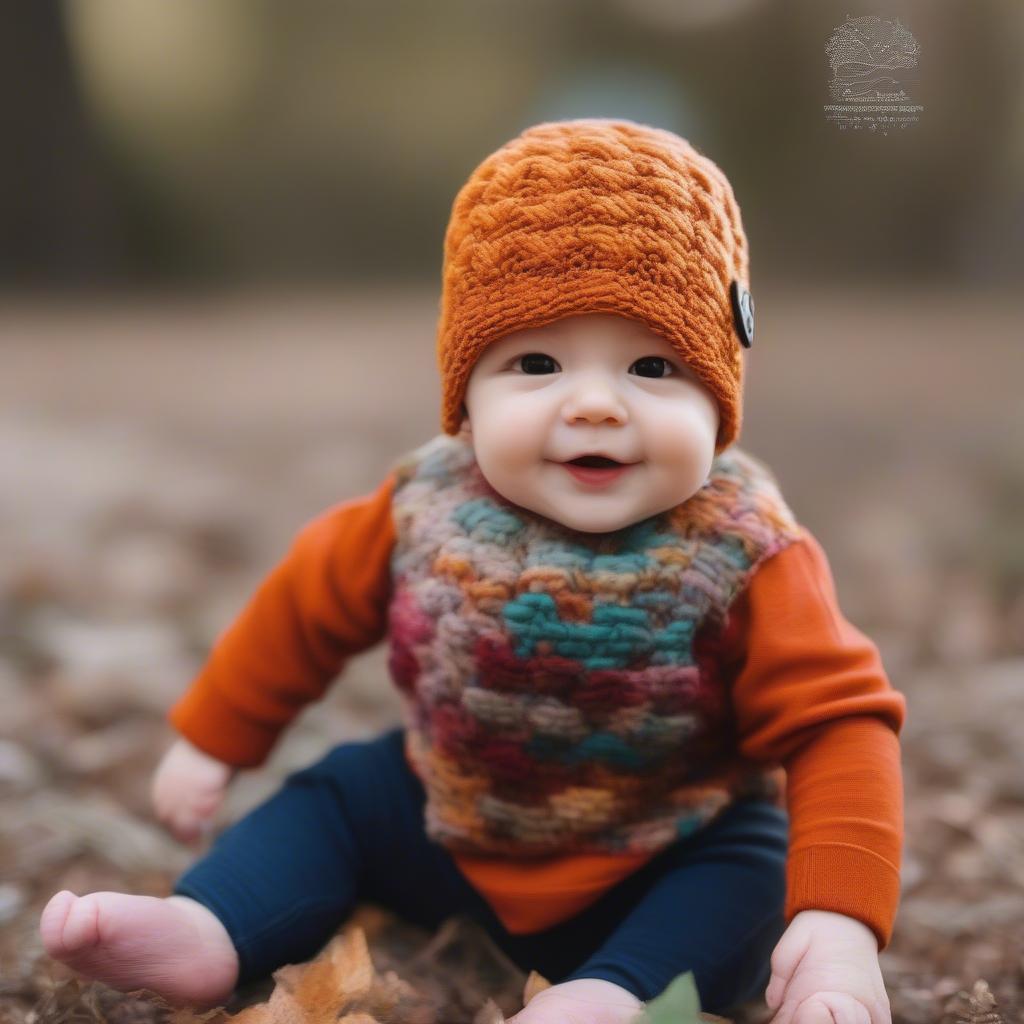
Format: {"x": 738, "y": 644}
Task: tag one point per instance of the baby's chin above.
{"x": 592, "y": 520}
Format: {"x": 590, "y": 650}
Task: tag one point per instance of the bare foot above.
{"x": 175, "y": 947}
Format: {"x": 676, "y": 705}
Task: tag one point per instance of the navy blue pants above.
{"x": 349, "y": 829}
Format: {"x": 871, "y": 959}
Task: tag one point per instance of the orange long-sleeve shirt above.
{"x": 809, "y": 693}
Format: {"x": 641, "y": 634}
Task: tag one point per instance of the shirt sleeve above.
{"x": 323, "y": 602}
{"x": 812, "y": 695}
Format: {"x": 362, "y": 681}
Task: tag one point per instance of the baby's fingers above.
{"x": 185, "y": 831}
{"x": 776, "y": 991}
{"x": 814, "y": 1011}
{"x": 829, "y": 1007}
{"x": 188, "y": 821}
{"x": 188, "y": 827}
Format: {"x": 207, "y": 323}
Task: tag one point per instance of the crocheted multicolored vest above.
{"x": 564, "y": 691}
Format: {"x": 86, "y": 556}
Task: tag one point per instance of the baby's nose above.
{"x": 595, "y": 400}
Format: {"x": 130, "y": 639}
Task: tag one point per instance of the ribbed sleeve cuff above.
{"x": 218, "y": 727}
{"x": 845, "y": 879}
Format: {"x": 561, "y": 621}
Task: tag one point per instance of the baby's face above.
{"x": 596, "y": 383}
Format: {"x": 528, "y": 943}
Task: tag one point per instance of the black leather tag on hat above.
{"x": 742, "y": 313}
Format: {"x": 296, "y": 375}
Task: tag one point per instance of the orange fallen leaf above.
{"x": 340, "y": 986}
{"x": 534, "y": 983}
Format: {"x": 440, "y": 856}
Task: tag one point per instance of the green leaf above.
{"x": 678, "y": 1004}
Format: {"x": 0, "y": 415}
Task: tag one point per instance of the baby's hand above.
{"x": 188, "y": 788}
{"x": 583, "y": 1001}
{"x": 824, "y": 969}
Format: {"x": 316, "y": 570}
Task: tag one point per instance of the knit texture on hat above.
{"x": 595, "y": 215}
{"x": 563, "y": 691}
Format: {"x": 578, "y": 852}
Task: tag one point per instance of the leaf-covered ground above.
{"x": 156, "y": 458}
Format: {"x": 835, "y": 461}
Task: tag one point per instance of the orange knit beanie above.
{"x": 598, "y": 216}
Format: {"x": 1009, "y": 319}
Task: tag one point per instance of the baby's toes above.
{"x": 69, "y": 923}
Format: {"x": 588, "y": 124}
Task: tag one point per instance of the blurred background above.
{"x": 221, "y": 233}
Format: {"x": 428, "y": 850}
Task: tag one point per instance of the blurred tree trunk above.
{"x": 59, "y": 221}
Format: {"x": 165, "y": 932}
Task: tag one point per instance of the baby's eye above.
{"x": 653, "y": 366}
{"x": 536, "y": 363}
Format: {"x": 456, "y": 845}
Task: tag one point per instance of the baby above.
{"x": 639, "y": 736}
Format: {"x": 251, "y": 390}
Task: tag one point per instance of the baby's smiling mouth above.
{"x": 595, "y": 470}
{"x": 596, "y": 462}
